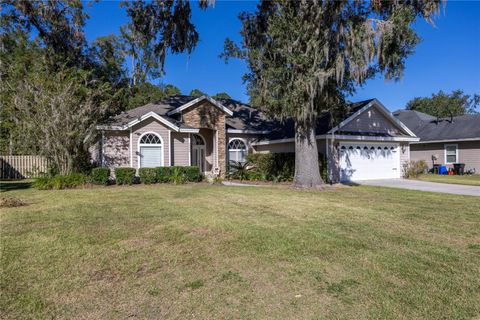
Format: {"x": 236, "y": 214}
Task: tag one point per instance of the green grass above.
{"x": 198, "y": 251}
{"x": 471, "y": 180}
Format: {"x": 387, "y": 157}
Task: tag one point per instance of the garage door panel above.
{"x": 368, "y": 161}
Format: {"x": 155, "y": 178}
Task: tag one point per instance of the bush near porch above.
{"x": 275, "y": 167}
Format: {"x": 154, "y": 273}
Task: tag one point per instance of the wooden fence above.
{"x": 21, "y": 167}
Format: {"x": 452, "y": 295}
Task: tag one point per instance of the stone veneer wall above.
{"x": 207, "y": 116}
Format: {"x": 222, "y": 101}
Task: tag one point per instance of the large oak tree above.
{"x": 304, "y": 56}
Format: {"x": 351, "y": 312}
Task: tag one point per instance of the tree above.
{"x": 304, "y": 56}
{"x": 146, "y": 92}
{"x": 197, "y": 93}
{"x": 221, "y": 95}
{"x": 59, "y": 24}
{"x": 171, "y": 90}
{"x": 443, "y": 104}
{"x": 154, "y": 28}
{"x": 58, "y": 111}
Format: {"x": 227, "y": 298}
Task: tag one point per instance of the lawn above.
{"x": 471, "y": 180}
{"x": 198, "y": 251}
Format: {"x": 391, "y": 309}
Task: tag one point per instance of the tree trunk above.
{"x": 307, "y": 173}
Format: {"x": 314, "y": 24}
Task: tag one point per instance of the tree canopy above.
{"x": 443, "y": 104}
{"x": 222, "y": 95}
{"x": 45, "y": 58}
{"x": 304, "y": 56}
{"x": 197, "y": 93}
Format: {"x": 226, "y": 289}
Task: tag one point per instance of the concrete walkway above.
{"x": 423, "y": 186}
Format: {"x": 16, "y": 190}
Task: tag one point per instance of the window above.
{"x": 237, "y": 151}
{"x": 150, "y": 151}
{"x": 451, "y": 153}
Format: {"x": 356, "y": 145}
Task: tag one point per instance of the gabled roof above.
{"x": 242, "y": 117}
{"x": 129, "y": 118}
{"x": 197, "y": 100}
{"x": 429, "y": 129}
{"x": 379, "y": 106}
{"x": 328, "y": 125}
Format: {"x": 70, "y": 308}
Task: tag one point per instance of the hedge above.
{"x": 100, "y": 176}
{"x": 147, "y": 175}
{"x": 125, "y": 175}
{"x": 190, "y": 173}
{"x": 58, "y": 182}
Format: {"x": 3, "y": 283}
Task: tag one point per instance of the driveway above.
{"x": 423, "y": 186}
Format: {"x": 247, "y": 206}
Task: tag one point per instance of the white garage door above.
{"x": 368, "y": 161}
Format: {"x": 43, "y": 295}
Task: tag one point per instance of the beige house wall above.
{"x": 288, "y": 147}
{"x": 150, "y": 125}
{"x": 468, "y": 153}
{"x": 180, "y": 149}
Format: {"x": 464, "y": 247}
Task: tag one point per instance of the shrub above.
{"x": 163, "y": 174}
{"x": 100, "y": 176}
{"x": 280, "y": 166}
{"x": 177, "y": 176}
{"x": 58, "y": 182}
{"x": 189, "y": 173}
{"x": 73, "y": 180}
{"x": 239, "y": 170}
{"x": 125, "y": 175}
{"x": 147, "y": 175}
{"x": 412, "y": 169}
{"x": 192, "y": 173}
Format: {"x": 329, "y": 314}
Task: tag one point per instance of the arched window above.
{"x": 150, "y": 150}
{"x": 197, "y": 140}
{"x": 237, "y": 151}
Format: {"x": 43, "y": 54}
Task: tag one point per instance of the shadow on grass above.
{"x": 10, "y": 185}
{"x": 350, "y": 183}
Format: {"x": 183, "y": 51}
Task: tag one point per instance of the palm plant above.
{"x": 238, "y": 170}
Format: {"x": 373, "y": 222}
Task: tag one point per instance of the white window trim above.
{"x": 228, "y": 149}
{"x": 150, "y": 145}
{"x": 445, "y": 152}
{"x": 131, "y": 148}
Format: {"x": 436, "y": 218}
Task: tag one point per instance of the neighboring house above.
{"x": 444, "y": 141}
{"x": 368, "y": 143}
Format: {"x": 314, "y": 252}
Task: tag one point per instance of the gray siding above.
{"x": 180, "y": 149}
{"x": 468, "y": 153}
{"x": 150, "y": 125}
{"x": 371, "y": 120}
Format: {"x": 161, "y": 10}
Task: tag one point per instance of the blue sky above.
{"x": 448, "y": 58}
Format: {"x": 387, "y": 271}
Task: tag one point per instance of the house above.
{"x": 367, "y": 143}
{"x": 444, "y": 141}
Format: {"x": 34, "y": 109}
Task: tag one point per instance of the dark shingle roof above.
{"x": 245, "y": 117}
{"x": 427, "y": 128}
{"x": 324, "y": 123}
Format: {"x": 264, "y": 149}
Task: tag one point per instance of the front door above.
{"x": 198, "y": 152}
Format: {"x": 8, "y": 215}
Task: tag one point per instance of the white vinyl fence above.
{"x": 21, "y": 167}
